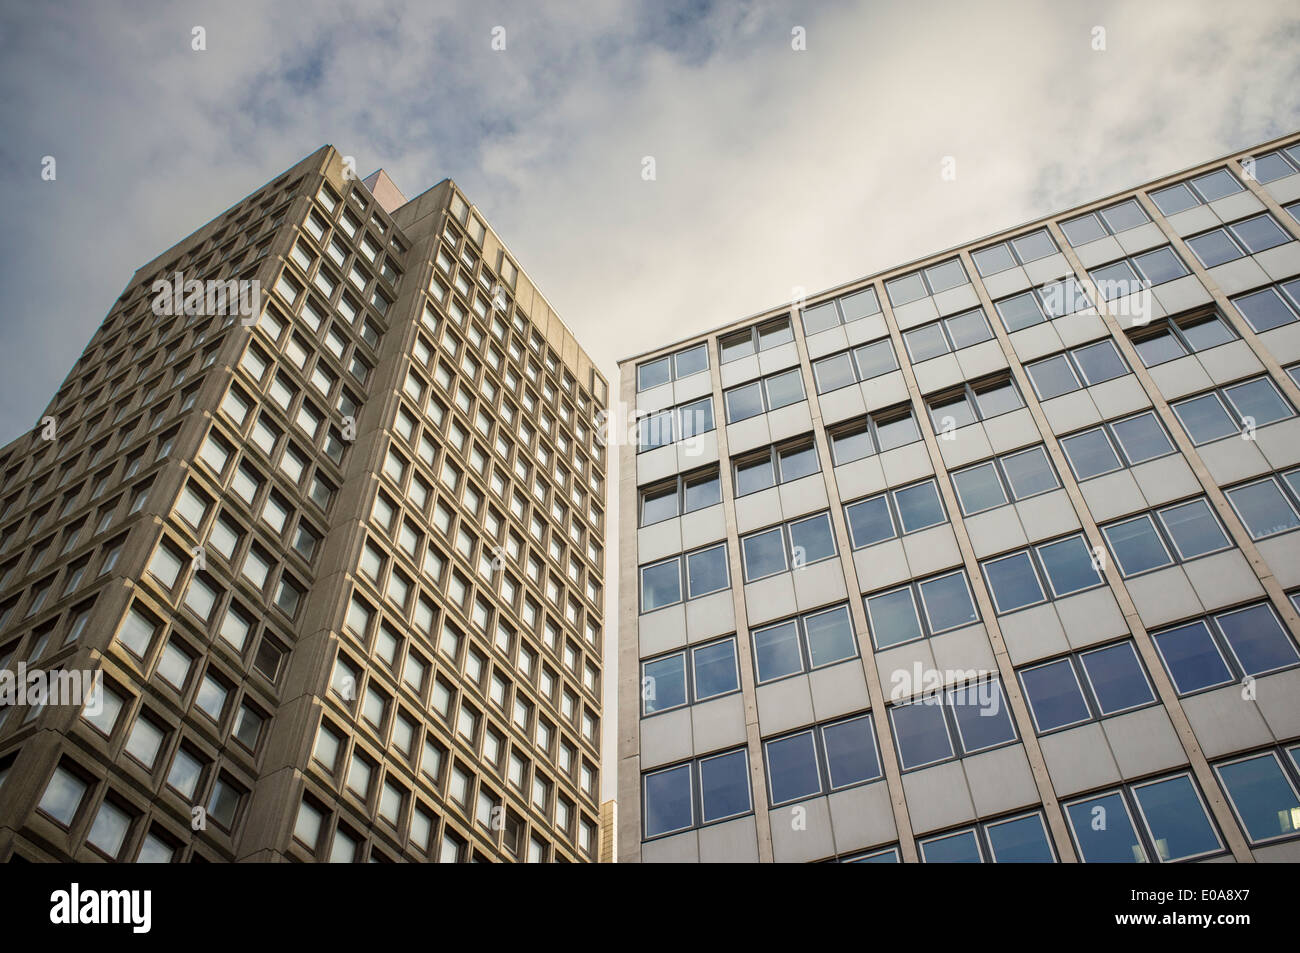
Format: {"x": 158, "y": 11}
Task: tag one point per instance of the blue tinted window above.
{"x": 870, "y": 521}
{"x": 830, "y": 636}
{"x": 959, "y": 848}
{"x": 1192, "y": 657}
{"x": 661, "y": 585}
{"x": 1090, "y": 454}
{"x": 851, "y": 752}
{"x": 1264, "y": 798}
{"x": 919, "y": 506}
{"x": 715, "y": 669}
{"x": 1136, "y": 545}
{"x": 724, "y": 786}
{"x": 1068, "y": 563}
{"x": 983, "y": 719}
{"x": 764, "y": 554}
{"x": 1193, "y": 528}
{"x": 777, "y": 651}
{"x": 921, "y": 733}
{"x": 947, "y": 602}
{"x": 1117, "y": 679}
{"x": 1176, "y": 819}
{"x": 1054, "y": 696}
{"x": 811, "y": 539}
{"x": 893, "y": 618}
{"x": 1021, "y": 840}
{"x": 1104, "y": 831}
{"x": 1013, "y": 582}
{"x": 979, "y": 488}
{"x": 792, "y": 768}
{"x": 707, "y": 571}
{"x": 1257, "y": 639}
{"x": 668, "y": 801}
{"x": 1205, "y": 419}
{"x": 663, "y": 684}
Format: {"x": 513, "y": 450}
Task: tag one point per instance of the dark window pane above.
{"x": 691, "y": 361}
{"x": 1257, "y": 639}
{"x": 998, "y": 399}
{"x": 990, "y": 261}
{"x": 1264, "y": 508}
{"x": 774, "y": 333}
{"x": 1214, "y": 248}
{"x": 820, "y": 318}
{"x": 1136, "y": 545}
{"x": 724, "y": 786}
{"x": 696, "y": 418}
{"x": 983, "y": 719}
{"x": 1264, "y": 310}
{"x": 1115, "y": 280}
{"x": 1054, "y": 696}
{"x": 896, "y": 432}
{"x": 950, "y": 414}
{"x": 737, "y": 346}
{"x": 1034, "y": 246}
{"x": 959, "y": 848}
{"x": 715, "y": 669}
{"x": 851, "y": 445}
{"x": 919, "y": 506}
{"x": 703, "y": 491}
{"x": 656, "y": 430}
{"x": 1117, "y": 678}
{"x": 1175, "y": 199}
{"x": 875, "y": 359}
{"x": 869, "y": 521}
{"x": 1192, "y": 657}
{"x": 851, "y": 752}
{"x": 1104, "y": 830}
{"x": 663, "y": 684}
{"x": 1068, "y": 563}
{"x": 668, "y": 801}
{"x": 921, "y": 733}
{"x": 1265, "y": 800}
{"x": 1215, "y": 185}
{"x": 904, "y": 290}
{"x": 1205, "y": 419}
{"x": 1258, "y": 401}
{"x": 1080, "y": 231}
{"x": 979, "y": 488}
{"x": 1090, "y": 453}
{"x": 1207, "y": 332}
{"x": 1021, "y": 840}
{"x": 1160, "y": 265}
{"x": 777, "y": 651}
{"x": 1127, "y": 214}
{"x": 1159, "y": 347}
{"x": 1020, "y": 312}
{"x": 860, "y": 304}
{"x": 811, "y": 540}
{"x": 1176, "y": 819}
{"x": 764, "y": 554}
{"x": 792, "y": 768}
{"x": 1013, "y": 582}
{"x": 947, "y": 602}
{"x": 945, "y": 275}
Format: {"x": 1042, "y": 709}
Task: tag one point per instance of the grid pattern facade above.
{"x": 991, "y": 557}
{"x": 342, "y": 569}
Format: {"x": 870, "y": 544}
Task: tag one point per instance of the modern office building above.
{"x": 341, "y": 566}
{"x": 993, "y": 556}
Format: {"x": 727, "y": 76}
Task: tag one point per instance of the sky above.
{"x": 793, "y": 145}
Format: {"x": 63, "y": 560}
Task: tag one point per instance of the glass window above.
{"x": 792, "y": 767}
{"x": 869, "y": 521}
{"x": 811, "y": 540}
{"x": 1191, "y": 657}
{"x": 798, "y": 462}
{"x": 1136, "y": 545}
{"x": 850, "y": 752}
{"x": 979, "y": 488}
{"x": 691, "y": 361}
{"x": 1021, "y": 311}
{"x": 663, "y": 684}
{"x": 661, "y": 585}
{"x": 1205, "y": 332}
{"x": 1116, "y": 678}
{"x": 658, "y": 504}
{"x": 1029, "y": 473}
{"x": 785, "y": 388}
{"x": 755, "y": 475}
{"x": 724, "y": 786}
{"x": 715, "y": 669}
{"x": 1193, "y": 528}
{"x": 1159, "y": 347}
{"x": 968, "y": 328}
{"x": 1264, "y": 310}
{"x": 1013, "y": 582}
{"x": 921, "y": 732}
{"x": 860, "y": 304}
{"x": 896, "y": 432}
{"x": 1160, "y": 265}
{"x": 1127, "y": 214}
{"x": 951, "y": 413}
{"x": 668, "y": 801}
{"x": 1176, "y": 819}
{"x": 906, "y": 289}
{"x": 701, "y": 491}
{"x": 63, "y": 796}
{"x": 830, "y": 636}
{"x": 764, "y": 554}
{"x": 1262, "y": 796}
{"x": 1090, "y": 453}
{"x": 1053, "y": 377}
{"x": 893, "y": 618}
{"x": 820, "y": 318}
{"x": 925, "y": 342}
{"x": 1068, "y": 564}
{"x": 918, "y": 506}
{"x": 744, "y": 402}
{"x": 1103, "y": 829}
{"x": 1054, "y": 696}
{"x": 1100, "y": 362}
{"x": 1264, "y": 508}
{"x": 834, "y": 372}
{"x": 1020, "y": 840}
{"x": 875, "y": 359}
{"x": 961, "y": 847}
{"x": 1257, "y": 639}
{"x": 947, "y": 602}
{"x": 991, "y": 261}
{"x": 1141, "y": 438}
{"x": 1084, "y": 229}
{"x": 982, "y": 715}
{"x": 695, "y": 418}
{"x": 1257, "y": 402}
{"x": 776, "y": 651}
{"x": 706, "y": 571}
{"x": 1214, "y": 248}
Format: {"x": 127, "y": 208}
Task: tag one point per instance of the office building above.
{"x": 993, "y": 556}
{"x": 339, "y": 557}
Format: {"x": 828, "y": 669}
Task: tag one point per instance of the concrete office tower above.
{"x": 342, "y": 570}
{"x": 992, "y": 556}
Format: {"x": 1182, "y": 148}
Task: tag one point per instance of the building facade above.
{"x": 990, "y": 557}
{"x": 336, "y": 560}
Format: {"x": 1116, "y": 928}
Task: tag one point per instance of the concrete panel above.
{"x": 1120, "y": 396}
{"x": 666, "y": 738}
{"x": 1072, "y": 411}
{"x": 861, "y": 477}
{"x": 826, "y": 342}
{"x": 662, "y": 630}
{"x": 656, "y": 398}
{"x": 778, "y": 358}
{"x": 1280, "y": 443}
{"x": 656, "y": 464}
{"x": 1230, "y": 362}
{"x": 1047, "y": 515}
{"x": 756, "y": 510}
{"x": 1237, "y": 276}
{"x": 1113, "y": 494}
{"x": 1099, "y": 251}
{"x": 748, "y": 434}
{"x": 1033, "y": 633}
{"x": 718, "y": 723}
{"x": 938, "y": 373}
{"x": 954, "y": 300}
{"x": 841, "y": 404}
{"x": 1223, "y": 579}
{"x": 1280, "y": 262}
{"x": 738, "y": 371}
{"x": 931, "y": 549}
{"x": 964, "y": 650}
{"x": 1164, "y": 479}
{"x": 1143, "y": 742}
{"x": 1036, "y": 341}
{"x": 1006, "y": 283}
{"x": 1192, "y": 220}
{"x": 788, "y": 421}
{"x": 905, "y": 464}
{"x": 937, "y": 797}
{"x": 1012, "y": 431}
{"x": 1232, "y": 459}
{"x": 784, "y": 705}
{"x": 1181, "y": 377}
{"x": 862, "y": 817}
{"x": 980, "y": 359}
{"x": 711, "y": 615}
{"x": 1078, "y": 759}
{"x": 819, "y": 584}
{"x": 964, "y": 445}
{"x": 1141, "y": 238}
{"x": 1163, "y": 596}
{"x": 1276, "y": 696}
{"x": 916, "y": 312}
{"x": 1000, "y": 780}
{"x": 1224, "y": 722}
{"x": 681, "y": 848}
{"x": 1048, "y": 269}
{"x": 839, "y": 689}
{"x": 1081, "y": 327}
{"x": 885, "y": 390}
{"x": 1090, "y": 617}
{"x": 1182, "y": 294}
{"x": 881, "y": 565}
{"x": 731, "y": 842}
{"x": 1282, "y": 553}
{"x": 702, "y": 526}
{"x": 769, "y": 598}
{"x": 802, "y": 496}
{"x": 995, "y": 531}
{"x": 659, "y": 540}
{"x": 801, "y": 832}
